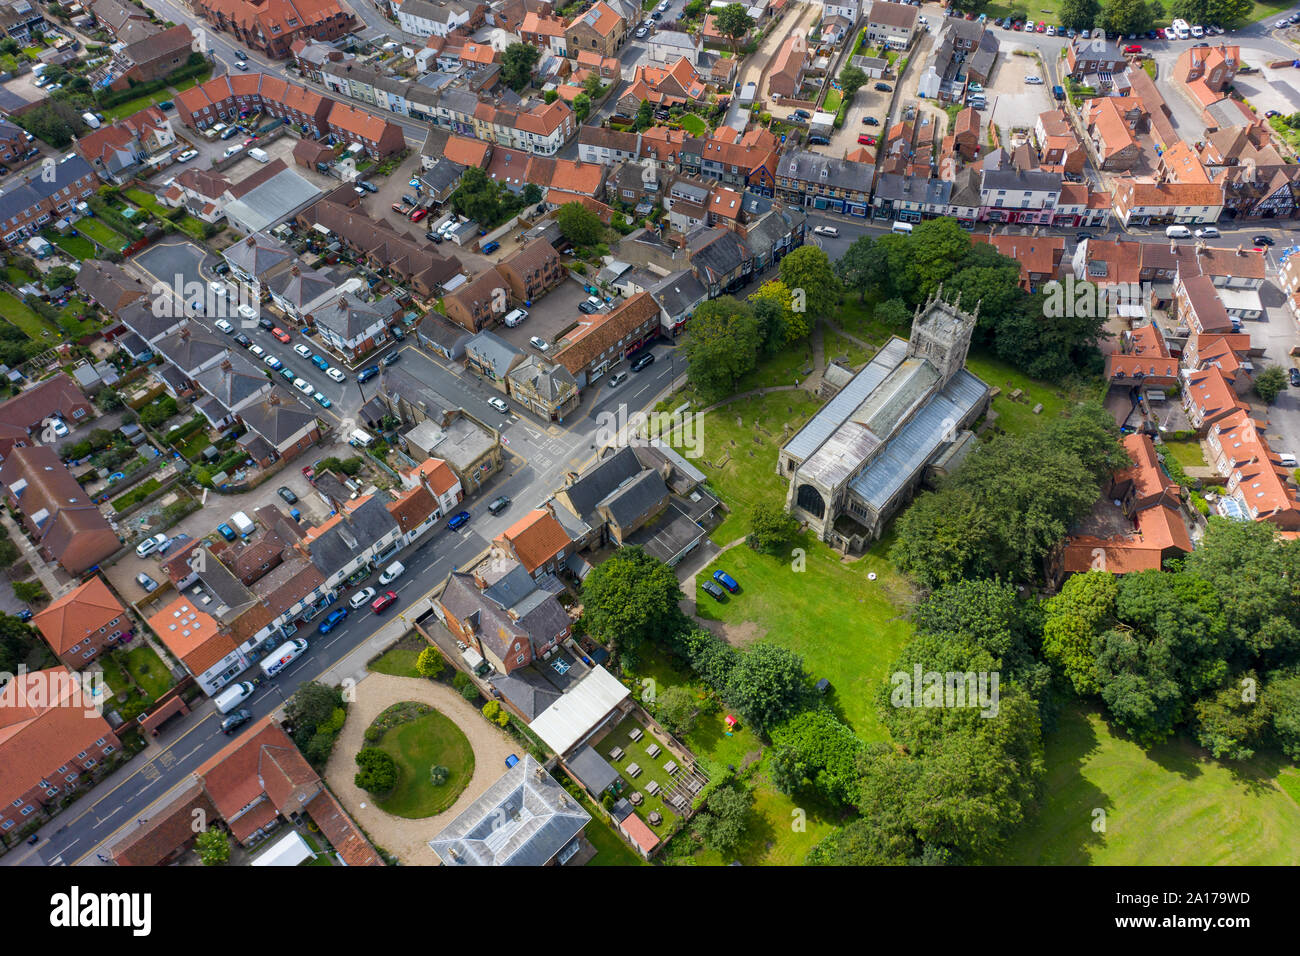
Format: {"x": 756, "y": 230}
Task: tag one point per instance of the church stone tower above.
{"x": 941, "y": 334}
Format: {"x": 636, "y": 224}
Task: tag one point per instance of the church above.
{"x": 861, "y": 457}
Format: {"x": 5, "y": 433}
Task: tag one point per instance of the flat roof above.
{"x": 574, "y": 715}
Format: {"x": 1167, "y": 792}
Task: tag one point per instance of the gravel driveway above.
{"x": 408, "y": 839}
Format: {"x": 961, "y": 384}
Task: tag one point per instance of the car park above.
{"x": 232, "y": 722}
{"x": 280, "y": 334}
{"x": 226, "y": 532}
{"x": 458, "y": 521}
{"x": 334, "y": 620}
{"x": 335, "y": 375}
{"x": 499, "y": 504}
{"x": 500, "y": 405}
{"x": 726, "y": 580}
{"x": 224, "y": 326}
{"x": 321, "y": 400}
{"x": 302, "y": 350}
{"x": 642, "y": 360}
{"x": 302, "y": 385}
{"x": 146, "y": 582}
{"x": 285, "y": 492}
{"x": 713, "y": 591}
{"x": 361, "y": 598}
{"x": 149, "y": 545}
{"x": 367, "y": 373}
{"x": 382, "y": 603}
{"x": 539, "y": 344}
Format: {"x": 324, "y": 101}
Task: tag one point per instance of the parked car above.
{"x": 367, "y": 186}
{"x": 419, "y": 214}
{"x": 883, "y": 88}
{"x": 187, "y": 155}
{"x": 392, "y": 572}
{"x": 515, "y": 317}
{"x": 458, "y": 521}
{"x": 285, "y": 492}
{"x": 60, "y": 427}
{"x": 367, "y": 373}
{"x": 642, "y": 360}
{"x": 227, "y": 532}
{"x": 1209, "y": 232}
{"x": 146, "y": 582}
{"x": 490, "y": 247}
{"x": 304, "y": 386}
{"x": 335, "y": 374}
{"x": 713, "y": 591}
{"x": 321, "y": 400}
{"x": 726, "y": 580}
{"x": 382, "y": 603}
{"x": 335, "y": 618}
{"x": 26, "y": 615}
{"x": 243, "y": 340}
{"x": 232, "y": 722}
{"x": 590, "y": 305}
{"x": 273, "y": 362}
{"x": 539, "y": 344}
{"x": 263, "y": 322}
{"x": 1133, "y": 48}
{"x": 499, "y": 504}
{"x": 302, "y": 350}
{"x": 870, "y": 121}
{"x": 361, "y": 598}
{"x": 320, "y": 362}
{"x": 828, "y": 230}
{"x": 1271, "y": 113}
{"x": 149, "y": 545}
{"x": 1034, "y": 80}
{"x": 500, "y": 405}
{"x": 865, "y": 140}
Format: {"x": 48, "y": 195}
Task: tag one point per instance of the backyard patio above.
{"x": 653, "y": 779}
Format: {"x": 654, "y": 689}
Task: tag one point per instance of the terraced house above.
{"x": 272, "y": 26}
{"x": 601, "y": 341}
{"x": 812, "y": 180}
{"x": 439, "y": 17}
{"x": 27, "y": 205}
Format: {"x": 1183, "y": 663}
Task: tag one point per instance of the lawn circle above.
{"x": 419, "y": 738}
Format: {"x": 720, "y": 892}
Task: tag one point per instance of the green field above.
{"x": 102, "y": 234}
{"x": 148, "y": 670}
{"x": 35, "y": 328}
{"x": 836, "y": 346}
{"x": 694, "y": 125}
{"x": 1017, "y": 417}
{"x": 847, "y": 628}
{"x": 1186, "y": 453}
{"x": 79, "y": 247}
{"x": 417, "y": 746}
{"x": 1167, "y": 805}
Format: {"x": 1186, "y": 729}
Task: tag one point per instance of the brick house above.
{"x": 477, "y": 304}
{"x": 786, "y": 75}
{"x": 489, "y": 613}
{"x": 532, "y": 271}
{"x": 27, "y": 205}
{"x": 598, "y": 28}
{"x": 1216, "y": 66}
{"x": 57, "y": 513}
{"x": 272, "y": 26}
{"x": 537, "y": 541}
{"x": 83, "y": 623}
{"x": 602, "y": 340}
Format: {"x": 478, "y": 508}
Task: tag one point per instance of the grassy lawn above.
{"x": 694, "y": 124}
{"x": 859, "y": 318}
{"x": 397, "y": 661}
{"x": 832, "y": 101}
{"x": 79, "y": 247}
{"x": 148, "y": 200}
{"x": 136, "y": 494}
{"x": 611, "y": 849}
{"x": 194, "y": 228}
{"x": 652, "y": 768}
{"x": 193, "y": 446}
{"x": 806, "y": 611}
{"x": 837, "y": 346}
{"x": 417, "y": 746}
{"x": 17, "y": 277}
{"x": 148, "y": 670}
{"x": 1018, "y": 417}
{"x": 743, "y": 481}
{"x": 102, "y": 234}
{"x": 1170, "y": 804}
{"x": 116, "y": 677}
{"x": 1051, "y": 11}
{"x": 24, "y": 318}
{"x": 1186, "y": 453}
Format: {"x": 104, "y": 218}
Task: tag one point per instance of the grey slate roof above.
{"x": 548, "y": 379}
{"x": 592, "y": 770}
{"x": 301, "y": 287}
{"x": 278, "y": 416}
{"x": 353, "y": 534}
{"x": 679, "y": 292}
{"x": 528, "y": 691}
{"x": 442, "y": 174}
{"x": 804, "y": 166}
{"x": 22, "y": 195}
{"x": 911, "y": 189}
{"x": 190, "y": 348}
{"x": 256, "y": 254}
{"x": 720, "y": 254}
{"x": 447, "y": 334}
{"x": 524, "y": 819}
{"x": 349, "y": 317}
{"x": 494, "y": 351}
{"x": 634, "y": 498}
{"x": 139, "y": 317}
{"x": 233, "y": 381}
{"x": 597, "y": 482}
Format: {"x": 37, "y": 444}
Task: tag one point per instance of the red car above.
{"x": 382, "y": 603}
{"x": 1041, "y": 27}
{"x": 250, "y": 141}
{"x": 280, "y": 333}
{"x": 1160, "y": 32}
{"x": 1133, "y": 48}
{"x": 1017, "y": 25}
{"x": 419, "y": 214}
{"x": 865, "y": 140}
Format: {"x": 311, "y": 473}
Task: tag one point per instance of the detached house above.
{"x": 890, "y": 24}
{"x": 503, "y": 614}
{"x": 785, "y": 75}
{"x": 599, "y": 28}
{"x": 83, "y": 623}
{"x": 537, "y": 541}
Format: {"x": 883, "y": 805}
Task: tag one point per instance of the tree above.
{"x": 1129, "y": 16}
{"x": 311, "y": 705}
{"x": 1074, "y": 619}
{"x": 430, "y": 663}
{"x": 937, "y": 248}
{"x": 894, "y": 312}
{"x": 722, "y": 821}
{"x": 1080, "y": 14}
{"x": 579, "y": 224}
{"x": 772, "y": 529}
{"x": 852, "y": 79}
{"x": 989, "y": 615}
{"x": 645, "y": 116}
{"x": 675, "y": 708}
{"x": 767, "y": 684}
{"x": 1232, "y": 723}
{"x": 809, "y": 269}
{"x": 30, "y": 592}
{"x": 517, "y": 63}
{"x": 378, "y": 773}
{"x": 825, "y": 750}
{"x": 592, "y": 85}
{"x": 721, "y": 345}
{"x": 629, "y": 599}
{"x": 733, "y": 23}
{"x": 213, "y": 847}
{"x": 581, "y": 107}
{"x": 59, "y": 276}
{"x": 790, "y": 325}
{"x": 1281, "y": 697}
{"x": 1269, "y": 383}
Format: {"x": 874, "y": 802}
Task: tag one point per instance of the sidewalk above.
{"x": 47, "y": 577}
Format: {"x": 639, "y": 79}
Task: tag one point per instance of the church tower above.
{"x": 941, "y": 334}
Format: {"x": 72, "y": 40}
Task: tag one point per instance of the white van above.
{"x": 283, "y": 656}
{"x": 91, "y": 120}
{"x": 260, "y": 155}
{"x": 242, "y": 523}
{"x": 360, "y": 438}
{"x": 1180, "y": 29}
{"x": 904, "y": 228}
{"x": 392, "y": 572}
{"x": 1177, "y": 232}
{"x": 233, "y": 696}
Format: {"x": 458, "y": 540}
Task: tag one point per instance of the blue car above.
{"x": 367, "y": 373}
{"x": 491, "y": 247}
{"x": 275, "y": 363}
{"x": 726, "y": 580}
{"x": 321, "y": 400}
{"x": 227, "y": 532}
{"x": 458, "y": 521}
{"x": 319, "y": 362}
{"x": 288, "y": 374}
{"x": 24, "y": 615}
{"x": 327, "y": 625}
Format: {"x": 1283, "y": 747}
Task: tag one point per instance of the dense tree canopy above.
{"x": 517, "y": 63}
{"x": 631, "y": 598}
{"x": 721, "y": 345}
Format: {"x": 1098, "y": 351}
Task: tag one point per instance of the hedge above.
{"x": 195, "y": 65}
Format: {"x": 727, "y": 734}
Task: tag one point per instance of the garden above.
{"x": 416, "y": 762}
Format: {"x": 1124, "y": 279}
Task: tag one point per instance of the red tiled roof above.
{"x": 536, "y": 538}
{"x": 78, "y": 614}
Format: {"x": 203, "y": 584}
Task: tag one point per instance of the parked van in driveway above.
{"x": 233, "y": 696}
{"x": 1177, "y": 232}
{"x": 360, "y": 438}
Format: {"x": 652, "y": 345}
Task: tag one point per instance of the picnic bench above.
{"x": 616, "y": 753}
{"x": 652, "y": 787}
{"x": 671, "y": 766}
{"x": 633, "y": 770}
{"x": 653, "y": 750}
{"x": 636, "y": 733}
